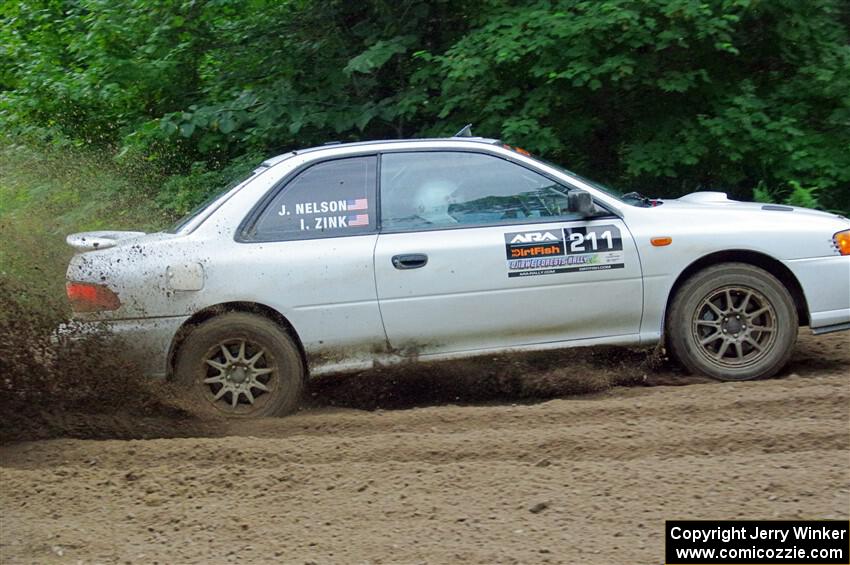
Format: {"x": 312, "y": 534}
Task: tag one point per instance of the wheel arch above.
{"x": 210, "y": 312}
{"x": 754, "y": 258}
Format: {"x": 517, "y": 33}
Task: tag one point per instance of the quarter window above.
{"x": 334, "y": 198}
{"x": 423, "y": 190}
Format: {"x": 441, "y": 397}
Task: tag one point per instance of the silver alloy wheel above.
{"x": 734, "y": 326}
{"x": 238, "y": 376}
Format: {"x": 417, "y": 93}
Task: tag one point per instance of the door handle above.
{"x": 410, "y": 261}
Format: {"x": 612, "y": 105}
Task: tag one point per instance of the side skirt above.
{"x": 383, "y": 359}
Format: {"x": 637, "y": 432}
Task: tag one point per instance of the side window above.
{"x": 328, "y": 199}
{"x": 445, "y": 189}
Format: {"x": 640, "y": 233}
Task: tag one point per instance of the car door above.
{"x": 478, "y": 252}
{"x": 308, "y": 253}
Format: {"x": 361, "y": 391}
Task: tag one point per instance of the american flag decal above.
{"x": 358, "y": 220}
{"x": 358, "y": 204}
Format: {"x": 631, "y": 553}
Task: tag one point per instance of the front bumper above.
{"x": 146, "y": 342}
{"x": 826, "y": 286}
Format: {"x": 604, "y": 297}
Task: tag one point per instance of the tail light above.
{"x": 89, "y": 297}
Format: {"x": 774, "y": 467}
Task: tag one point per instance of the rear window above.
{"x": 215, "y": 200}
{"x": 328, "y": 199}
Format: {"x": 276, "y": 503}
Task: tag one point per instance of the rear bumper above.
{"x": 826, "y": 286}
{"x": 146, "y": 342}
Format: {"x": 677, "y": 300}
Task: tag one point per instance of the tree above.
{"x": 664, "y": 96}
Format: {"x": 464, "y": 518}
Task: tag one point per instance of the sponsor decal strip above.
{"x": 568, "y": 250}
{"x": 565, "y": 270}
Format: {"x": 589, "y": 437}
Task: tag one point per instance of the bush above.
{"x": 795, "y": 195}
{"x": 181, "y": 193}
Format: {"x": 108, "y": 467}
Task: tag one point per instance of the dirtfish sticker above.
{"x": 534, "y": 244}
{"x": 547, "y": 252}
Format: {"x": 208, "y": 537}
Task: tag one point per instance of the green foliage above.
{"x": 663, "y": 96}
{"x": 181, "y": 193}
{"x": 47, "y": 193}
{"x": 762, "y": 194}
{"x": 795, "y": 195}
{"x": 801, "y": 196}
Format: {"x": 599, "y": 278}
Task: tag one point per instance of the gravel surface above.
{"x": 586, "y": 479}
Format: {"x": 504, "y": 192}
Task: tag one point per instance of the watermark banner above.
{"x": 762, "y": 542}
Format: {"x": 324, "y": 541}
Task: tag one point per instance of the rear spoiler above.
{"x": 91, "y": 240}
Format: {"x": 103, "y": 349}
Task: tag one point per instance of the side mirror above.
{"x": 580, "y": 202}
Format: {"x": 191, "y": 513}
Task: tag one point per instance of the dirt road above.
{"x": 586, "y": 479}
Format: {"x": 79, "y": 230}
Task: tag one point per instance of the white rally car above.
{"x": 343, "y": 257}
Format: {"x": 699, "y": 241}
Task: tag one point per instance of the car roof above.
{"x": 337, "y": 145}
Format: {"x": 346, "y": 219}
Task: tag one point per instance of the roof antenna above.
{"x": 466, "y": 131}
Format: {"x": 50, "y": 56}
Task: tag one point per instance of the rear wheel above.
{"x": 733, "y": 322}
{"x": 241, "y": 365}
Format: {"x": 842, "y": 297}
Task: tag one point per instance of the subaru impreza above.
{"x": 347, "y": 256}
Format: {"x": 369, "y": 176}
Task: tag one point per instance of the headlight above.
{"x": 842, "y": 242}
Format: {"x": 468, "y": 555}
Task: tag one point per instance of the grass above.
{"x": 48, "y": 192}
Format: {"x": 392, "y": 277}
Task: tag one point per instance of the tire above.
{"x": 261, "y": 356}
{"x": 732, "y": 322}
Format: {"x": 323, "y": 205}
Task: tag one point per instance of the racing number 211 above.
{"x": 593, "y": 239}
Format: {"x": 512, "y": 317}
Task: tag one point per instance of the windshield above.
{"x": 630, "y": 198}
{"x": 220, "y": 195}
{"x": 599, "y": 186}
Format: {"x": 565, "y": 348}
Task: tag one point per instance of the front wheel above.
{"x": 732, "y": 322}
{"x": 241, "y": 365}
